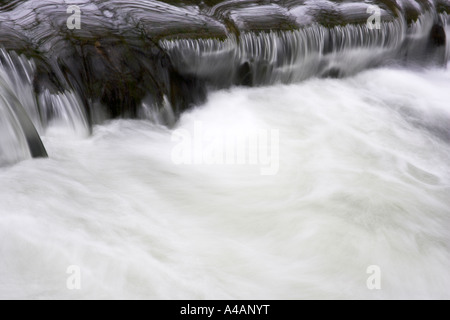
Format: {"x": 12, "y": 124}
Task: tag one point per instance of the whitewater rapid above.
{"x": 363, "y": 180}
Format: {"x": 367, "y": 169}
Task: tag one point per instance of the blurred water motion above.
{"x": 362, "y": 159}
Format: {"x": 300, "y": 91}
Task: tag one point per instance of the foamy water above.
{"x": 363, "y": 180}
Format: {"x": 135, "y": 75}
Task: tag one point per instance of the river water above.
{"x": 357, "y": 177}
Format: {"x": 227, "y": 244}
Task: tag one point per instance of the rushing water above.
{"x": 363, "y": 179}
{"x": 260, "y": 150}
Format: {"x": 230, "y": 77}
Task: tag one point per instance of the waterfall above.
{"x": 291, "y": 56}
{"x": 224, "y": 149}
{"x": 155, "y": 60}
{"x": 19, "y": 114}
{"x": 24, "y": 116}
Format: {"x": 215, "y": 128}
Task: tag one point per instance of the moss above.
{"x": 390, "y": 6}
{"x": 443, "y": 6}
{"x": 209, "y": 3}
{"x": 329, "y": 18}
{"x": 181, "y": 33}
{"x": 411, "y": 15}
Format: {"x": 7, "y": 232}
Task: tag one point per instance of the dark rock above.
{"x": 333, "y": 73}
{"x": 437, "y": 36}
{"x": 116, "y": 58}
{"x": 244, "y": 75}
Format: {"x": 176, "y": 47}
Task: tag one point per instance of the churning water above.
{"x": 363, "y": 180}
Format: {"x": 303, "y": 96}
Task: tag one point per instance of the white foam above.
{"x": 362, "y": 182}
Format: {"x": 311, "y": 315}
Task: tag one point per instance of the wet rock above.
{"x": 332, "y": 73}
{"x": 116, "y": 59}
{"x": 437, "y": 36}
{"x": 244, "y": 75}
